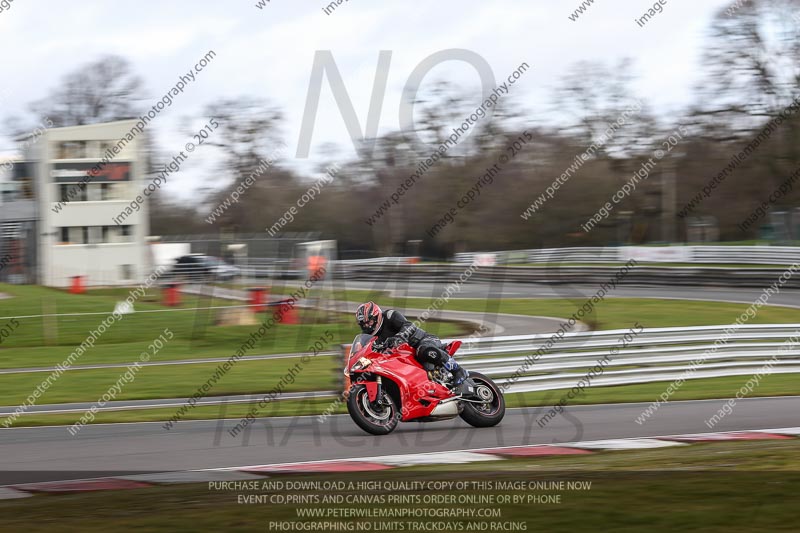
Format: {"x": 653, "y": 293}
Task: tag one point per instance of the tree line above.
{"x": 750, "y": 77}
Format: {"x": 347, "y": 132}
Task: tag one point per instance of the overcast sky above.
{"x": 269, "y": 53}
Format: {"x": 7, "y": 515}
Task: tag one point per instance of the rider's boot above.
{"x": 464, "y": 385}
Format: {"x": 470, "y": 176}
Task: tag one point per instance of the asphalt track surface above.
{"x": 80, "y": 408}
{"x": 50, "y": 453}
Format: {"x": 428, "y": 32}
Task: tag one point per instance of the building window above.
{"x": 72, "y": 150}
{"x": 8, "y": 196}
{"x": 126, "y": 272}
{"x": 104, "y": 192}
{"x": 94, "y": 235}
{"x": 121, "y": 191}
{"x": 72, "y": 192}
{"x": 105, "y": 146}
{"x": 112, "y": 234}
{"x": 75, "y": 235}
{"x": 118, "y": 234}
{"x": 93, "y": 192}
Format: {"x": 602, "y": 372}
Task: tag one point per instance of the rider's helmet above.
{"x": 369, "y": 317}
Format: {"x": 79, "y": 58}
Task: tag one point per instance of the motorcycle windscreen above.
{"x": 359, "y": 342}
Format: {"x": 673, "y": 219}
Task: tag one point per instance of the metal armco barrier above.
{"x": 659, "y": 354}
{"x": 654, "y": 355}
{"x": 557, "y": 274}
{"x": 743, "y": 255}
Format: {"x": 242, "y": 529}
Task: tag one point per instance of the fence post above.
{"x": 49, "y": 321}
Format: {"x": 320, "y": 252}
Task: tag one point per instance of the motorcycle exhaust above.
{"x": 446, "y": 409}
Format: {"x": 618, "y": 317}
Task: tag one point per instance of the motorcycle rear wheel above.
{"x": 490, "y": 413}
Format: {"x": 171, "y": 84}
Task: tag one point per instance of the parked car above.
{"x": 204, "y": 268}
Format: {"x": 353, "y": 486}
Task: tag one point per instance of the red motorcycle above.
{"x": 389, "y": 386}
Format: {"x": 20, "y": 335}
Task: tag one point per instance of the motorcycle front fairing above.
{"x": 418, "y": 395}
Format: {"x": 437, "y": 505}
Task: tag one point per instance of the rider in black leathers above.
{"x": 393, "y": 329}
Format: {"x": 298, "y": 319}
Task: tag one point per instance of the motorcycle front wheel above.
{"x": 377, "y": 418}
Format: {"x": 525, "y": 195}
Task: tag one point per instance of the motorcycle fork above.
{"x": 374, "y": 389}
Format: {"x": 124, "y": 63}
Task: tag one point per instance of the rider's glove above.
{"x": 393, "y": 342}
{"x": 378, "y": 346}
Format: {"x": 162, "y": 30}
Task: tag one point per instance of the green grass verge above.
{"x": 611, "y": 313}
{"x": 221, "y": 342}
{"x": 173, "y": 381}
{"x": 37, "y": 342}
{"x": 725, "y": 487}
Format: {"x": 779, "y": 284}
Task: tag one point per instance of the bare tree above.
{"x": 101, "y": 91}
{"x": 248, "y": 141}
